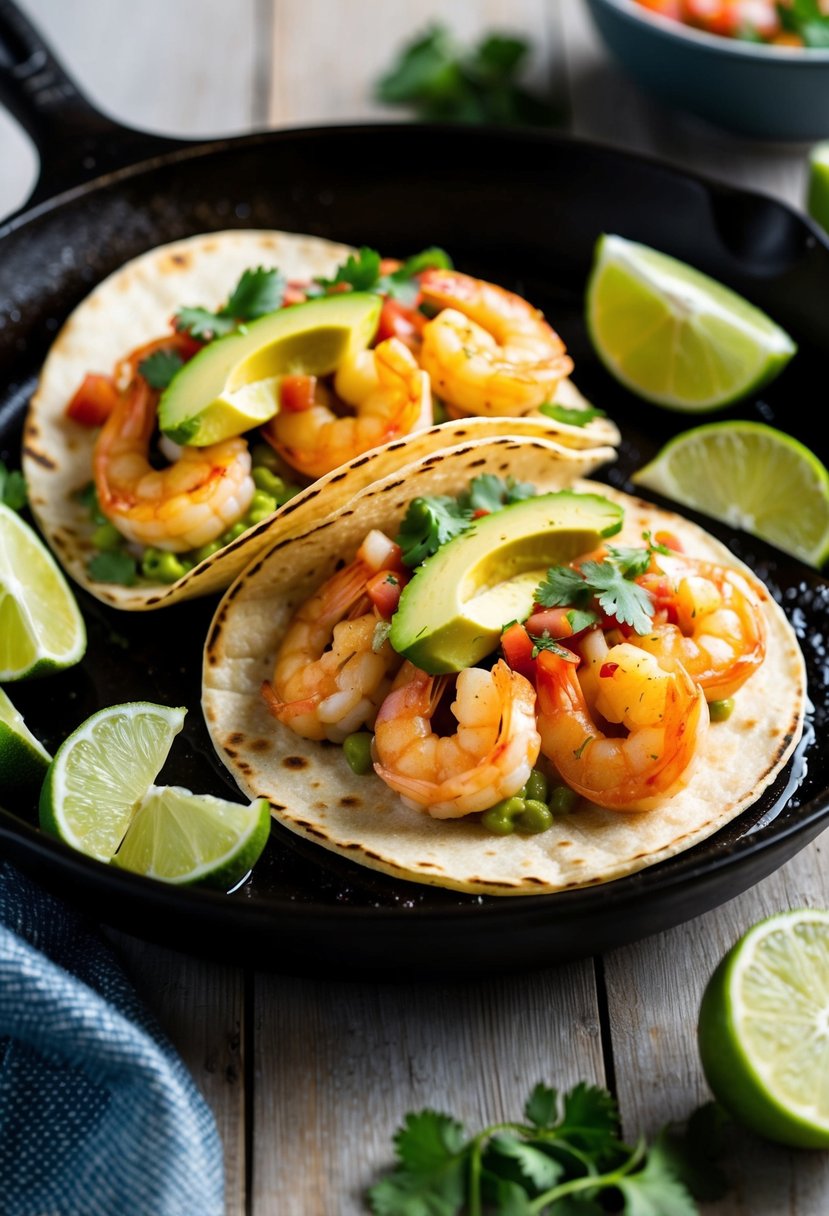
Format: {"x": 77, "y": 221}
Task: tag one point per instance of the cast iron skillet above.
{"x": 522, "y": 208}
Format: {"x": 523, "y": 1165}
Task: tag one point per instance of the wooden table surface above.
{"x": 309, "y": 1079}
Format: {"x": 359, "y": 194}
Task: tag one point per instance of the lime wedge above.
{"x": 763, "y": 1028}
{"x": 23, "y": 758}
{"x": 675, "y": 336}
{"x": 41, "y": 627}
{"x": 752, "y": 476}
{"x": 102, "y": 771}
{"x": 817, "y": 188}
{"x": 184, "y": 838}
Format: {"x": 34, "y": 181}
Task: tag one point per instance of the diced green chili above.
{"x": 163, "y": 567}
{"x": 718, "y": 711}
{"x": 562, "y": 799}
{"x": 263, "y": 456}
{"x": 107, "y": 538}
{"x": 270, "y": 482}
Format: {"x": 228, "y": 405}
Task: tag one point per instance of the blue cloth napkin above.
{"x": 98, "y": 1115}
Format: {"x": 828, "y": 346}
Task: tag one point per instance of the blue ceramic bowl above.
{"x": 767, "y": 92}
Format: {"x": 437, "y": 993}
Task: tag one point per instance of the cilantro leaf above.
{"x": 113, "y": 568}
{"x": 258, "y": 292}
{"x": 655, "y": 1190}
{"x": 202, "y": 324}
{"x": 490, "y": 493}
{"x": 545, "y": 642}
{"x": 159, "y": 368}
{"x": 402, "y": 284}
{"x": 428, "y": 524}
{"x": 430, "y": 1178}
{"x": 442, "y": 81}
{"x": 541, "y": 1108}
{"x": 541, "y": 1169}
{"x": 360, "y": 271}
{"x": 570, "y": 416}
{"x": 561, "y": 587}
{"x": 590, "y": 1119}
{"x": 692, "y": 1151}
{"x": 13, "y": 492}
{"x": 618, "y": 596}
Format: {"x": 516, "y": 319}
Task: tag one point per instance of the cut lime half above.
{"x": 763, "y": 1028}
{"x": 675, "y": 336}
{"x": 752, "y": 476}
{"x": 102, "y": 771}
{"x": 41, "y": 627}
{"x": 817, "y": 188}
{"x": 23, "y": 758}
{"x": 185, "y": 838}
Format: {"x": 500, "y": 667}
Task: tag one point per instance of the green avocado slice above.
{"x": 451, "y": 614}
{"x": 232, "y": 385}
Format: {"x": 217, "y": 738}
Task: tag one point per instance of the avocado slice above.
{"x": 232, "y": 384}
{"x": 451, "y": 614}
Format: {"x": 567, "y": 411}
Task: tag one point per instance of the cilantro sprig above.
{"x": 609, "y": 582}
{"x": 258, "y": 292}
{"x": 433, "y": 520}
{"x": 13, "y": 491}
{"x": 566, "y": 1159}
{"x": 442, "y": 81}
{"x": 361, "y": 272}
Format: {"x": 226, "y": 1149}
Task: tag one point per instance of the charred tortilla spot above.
{"x": 350, "y": 800}
{"x": 294, "y": 762}
{"x": 430, "y": 865}
{"x": 180, "y": 259}
{"x": 477, "y": 464}
{"x": 236, "y": 738}
{"x": 230, "y": 752}
{"x": 39, "y": 458}
{"x": 262, "y": 745}
{"x": 277, "y": 806}
{"x": 244, "y": 766}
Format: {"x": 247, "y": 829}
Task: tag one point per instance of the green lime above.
{"x": 183, "y": 838}
{"x": 763, "y": 1028}
{"x": 675, "y": 336}
{"x": 102, "y": 771}
{"x": 752, "y": 476}
{"x": 41, "y": 627}
{"x": 817, "y": 189}
{"x": 23, "y": 758}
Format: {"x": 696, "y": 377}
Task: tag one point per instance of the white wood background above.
{"x": 308, "y": 1080}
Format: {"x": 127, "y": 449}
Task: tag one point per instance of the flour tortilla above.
{"x": 314, "y": 793}
{"x": 134, "y": 306}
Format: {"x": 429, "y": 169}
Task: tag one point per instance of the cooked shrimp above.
{"x": 390, "y": 397}
{"x": 183, "y": 506}
{"x": 709, "y": 619}
{"x": 663, "y": 714}
{"x": 489, "y": 758}
{"x": 328, "y": 679}
{"x": 488, "y": 351}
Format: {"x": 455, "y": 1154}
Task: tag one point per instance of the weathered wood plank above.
{"x": 338, "y": 1066}
{"x": 326, "y": 57}
{"x": 200, "y": 1006}
{"x": 180, "y": 69}
{"x": 654, "y": 990}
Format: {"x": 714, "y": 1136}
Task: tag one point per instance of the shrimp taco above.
{"x": 218, "y": 385}
{"x": 484, "y": 675}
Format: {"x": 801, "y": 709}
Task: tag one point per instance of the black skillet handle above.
{"x": 74, "y": 141}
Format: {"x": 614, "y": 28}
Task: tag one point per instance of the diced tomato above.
{"x": 517, "y": 646}
{"x": 552, "y": 621}
{"x": 480, "y": 513}
{"x": 296, "y": 393}
{"x": 389, "y": 265}
{"x": 94, "y": 401}
{"x": 397, "y": 321}
{"x": 380, "y": 552}
{"x": 669, "y": 541}
{"x": 608, "y": 669}
{"x": 295, "y": 293}
{"x": 384, "y": 591}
